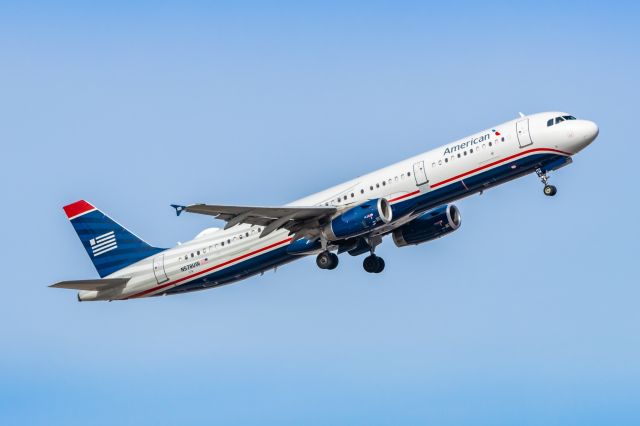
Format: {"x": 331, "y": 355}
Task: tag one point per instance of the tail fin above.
{"x": 110, "y": 246}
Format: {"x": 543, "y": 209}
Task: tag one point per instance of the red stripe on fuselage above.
{"x": 486, "y": 166}
{"x": 218, "y": 266}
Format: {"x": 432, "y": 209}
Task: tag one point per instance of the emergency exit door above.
{"x": 420, "y": 174}
{"x": 158, "y": 269}
{"x": 522, "y": 130}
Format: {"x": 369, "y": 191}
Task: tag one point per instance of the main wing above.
{"x": 299, "y": 221}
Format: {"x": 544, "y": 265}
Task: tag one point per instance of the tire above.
{"x": 550, "y": 190}
{"x": 371, "y": 264}
{"x": 324, "y": 260}
{"x": 380, "y": 267}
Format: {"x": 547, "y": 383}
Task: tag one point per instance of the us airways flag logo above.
{"x": 103, "y": 243}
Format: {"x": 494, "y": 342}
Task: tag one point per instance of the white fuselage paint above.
{"x": 215, "y": 250}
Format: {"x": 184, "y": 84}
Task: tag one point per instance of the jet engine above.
{"x": 428, "y": 226}
{"x": 360, "y": 219}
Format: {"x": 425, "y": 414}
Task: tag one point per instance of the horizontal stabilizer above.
{"x": 98, "y": 285}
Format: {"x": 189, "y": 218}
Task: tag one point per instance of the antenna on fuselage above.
{"x": 521, "y": 115}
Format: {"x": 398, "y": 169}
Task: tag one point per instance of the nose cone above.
{"x": 589, "y": 131}
{"x": 580, "y": 134}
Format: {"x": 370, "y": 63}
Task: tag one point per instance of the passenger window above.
{"x": 362, "y": 191}
{"x": 377, "y": 185}
{"x": 458, "y": 155}
{"x": 191, "y": 254}
{"x": 464, "y": 153}
{"x": 439, "y": 162}
{"x": 550, "y": 123}
{"x": 371, "y": 188}
{"x": 222, "y": 244}
{"x": 433, "y": 164}
{"x": 446, "y": 160}
{"x": 559, "y": 120}
{"x": 408, "y": 173}
{"x": 247, "y": 234}
{"x": 471, "y": 151}
{"x": 490, "y": 143}
{"x": 352, "y": 195}
{"x": 198, "y": 252}
{"x": 384, "y": 183}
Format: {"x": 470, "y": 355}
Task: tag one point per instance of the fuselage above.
{"x": 459, "y": 169}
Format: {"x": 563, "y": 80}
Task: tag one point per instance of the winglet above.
{"x": 179, "y": 208}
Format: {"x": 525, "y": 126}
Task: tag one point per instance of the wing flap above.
{"x": 102, "y": 284}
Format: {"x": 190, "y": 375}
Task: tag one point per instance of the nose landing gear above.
{"x": 549, "y": 190}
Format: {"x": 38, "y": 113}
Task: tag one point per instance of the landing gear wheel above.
{"x": 327, "y": 260}
{"x": 373, "y": 264}
{"x": 550, "y": 190}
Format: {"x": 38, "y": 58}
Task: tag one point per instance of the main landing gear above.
{"x": 327, "y": 260}
{"x": 549, "y": 190}
{"x": 372, "y": 263}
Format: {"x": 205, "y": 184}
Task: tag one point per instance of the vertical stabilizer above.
{"x": 110, "y": 246}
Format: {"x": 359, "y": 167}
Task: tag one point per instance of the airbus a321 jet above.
{"x": 410, "y": 201}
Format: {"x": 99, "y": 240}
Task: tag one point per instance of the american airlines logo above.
{"x": 103, "y": 243}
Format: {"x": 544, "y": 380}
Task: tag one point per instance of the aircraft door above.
{"x": 158, "y": 269}
{"x": 522, "y": 130}
{"x": 420, "y": 174}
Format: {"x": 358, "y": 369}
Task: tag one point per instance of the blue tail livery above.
{"x": 110, "y": 246}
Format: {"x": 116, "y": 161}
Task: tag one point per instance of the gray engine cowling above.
{"x": 429, "y": 226}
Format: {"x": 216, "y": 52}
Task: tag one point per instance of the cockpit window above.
{"x": 560, "y": 120}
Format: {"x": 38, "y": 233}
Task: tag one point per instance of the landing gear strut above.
{"x": 373, "y": 264}
{"x": 549, "y": 190}
{"x": 327, "y": 260}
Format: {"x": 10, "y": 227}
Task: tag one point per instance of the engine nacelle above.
{"x": 360, "y": 219}
{"x": 429, "y": 226}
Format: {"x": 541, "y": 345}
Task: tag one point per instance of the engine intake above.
{"x": 360, "y": 219}
{"x": 428, "y": 226}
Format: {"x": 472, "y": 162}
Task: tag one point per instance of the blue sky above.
{"x": 528, "y": 315}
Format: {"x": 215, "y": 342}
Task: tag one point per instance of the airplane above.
{"x": 410, "y": 200}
